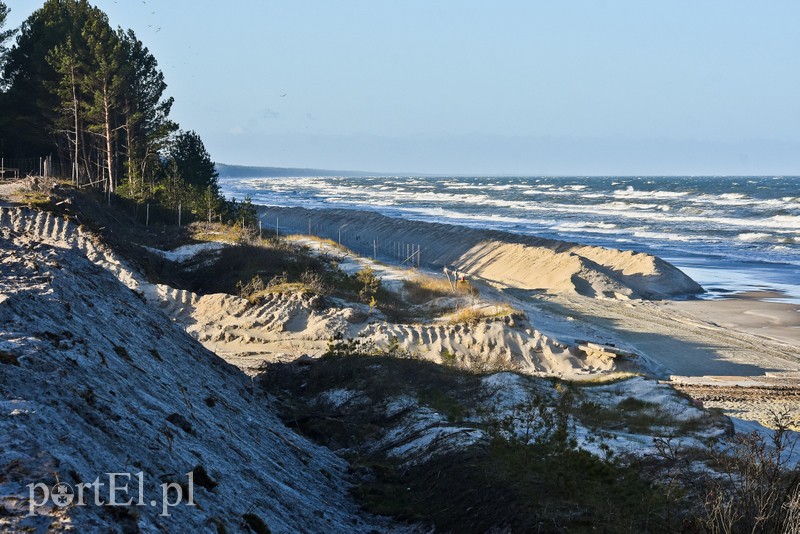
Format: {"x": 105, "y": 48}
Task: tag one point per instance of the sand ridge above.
{"x": 522, "y": 261}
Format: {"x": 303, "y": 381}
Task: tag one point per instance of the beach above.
{"x": 571, "y": 292}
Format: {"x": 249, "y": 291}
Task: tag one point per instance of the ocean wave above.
{"x": 754, "y": 236}
{"x": 746, "y": 201}
{"x": 590, "y": 225}
{"x": 669, "y": 236}
{"x": 732, "y": 196}
{"x": 630, "y": 192}
{"x": 438, "y": 213}
{"x": 702, "y": 216}
{"x": 785, "y": 221}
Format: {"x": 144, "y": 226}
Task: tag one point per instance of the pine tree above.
{"x": 146, "y": 123}
{"x": 104, "y": 83}
{"x": 191, "y": 165}
{"x": 31, "y": 104}
{"x": 4, "y": 109}
{"x": 69, "y": 62}
{"x": 4, "y": 34}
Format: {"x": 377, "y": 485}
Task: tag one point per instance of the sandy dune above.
{"x": 727, "y": 343}
{"x": 287, "y": 326}
{"x": 519, "y": 261}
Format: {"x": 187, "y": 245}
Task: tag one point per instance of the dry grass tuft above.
{"x": 256, "y": 289}
{"x": 424, "y": 288}
{"x": 471, "y": 315}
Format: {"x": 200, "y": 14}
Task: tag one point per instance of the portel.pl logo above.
{"x": 114, "y": 491}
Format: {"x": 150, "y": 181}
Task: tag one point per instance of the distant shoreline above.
{"x": 227, "y": 170}
{"x": 245, "y": 171}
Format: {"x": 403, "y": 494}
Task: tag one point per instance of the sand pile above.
{"x": 523, "y": 262}
{"x": 283, "y": 327}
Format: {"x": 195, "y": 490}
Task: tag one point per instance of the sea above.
{"x": 731, "y": 234}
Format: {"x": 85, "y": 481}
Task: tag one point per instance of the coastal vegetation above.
{"x": 82, "y": 101}
{"x": 526, "y": 472}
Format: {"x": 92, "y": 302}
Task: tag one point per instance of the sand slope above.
{"x": 519, "y": 261}
{"x": 95, "y": 381}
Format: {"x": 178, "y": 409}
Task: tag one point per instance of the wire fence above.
{"x": 350, "y": 236}
{"x": 152, "y": 214}
{"x": 13, "y": 168}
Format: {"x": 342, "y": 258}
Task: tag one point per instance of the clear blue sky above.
{"x": 554, "y": 87}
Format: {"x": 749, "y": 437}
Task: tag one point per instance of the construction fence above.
{"x": 350, "y": 236}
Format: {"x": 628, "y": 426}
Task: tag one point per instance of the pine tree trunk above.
{"x": 109, "y": 152}
{"x": 132, "y": 178}
{"x": 87, "y": 158}
{"x": 77, "y": 130}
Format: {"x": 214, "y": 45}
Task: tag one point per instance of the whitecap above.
{"x": 754, "y": 236}
{"x": 666, "y": 236}
{"x": 630, "y": 192}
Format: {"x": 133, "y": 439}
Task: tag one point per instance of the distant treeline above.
{"x": 243, "y": 171}
{"x": 92, "y": 100}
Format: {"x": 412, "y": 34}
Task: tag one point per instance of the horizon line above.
{"x": 357, "y": 173}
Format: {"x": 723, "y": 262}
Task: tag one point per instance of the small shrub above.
{"x": 758, "y": 491}
{"x": 250, "y": 289}
{"x": 631, "y": 404}
{"x": 314, "y": 282}
{"x": 370, "y": 283}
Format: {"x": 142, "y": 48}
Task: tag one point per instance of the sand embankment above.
{"x": 287, "y": 326}
{"x": 523, "y": 262}
{"x": 94, "y": 381}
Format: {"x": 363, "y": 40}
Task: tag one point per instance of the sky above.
{"x": 584, "y": 87}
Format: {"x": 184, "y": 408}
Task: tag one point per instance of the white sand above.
{"x": 669, "y": 339}
{"x": 514, "y": 260}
